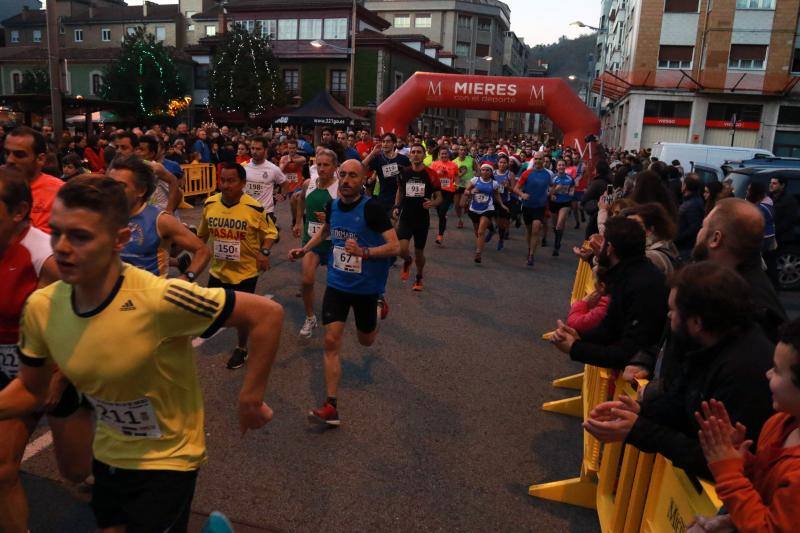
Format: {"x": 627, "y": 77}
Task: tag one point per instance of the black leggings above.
{"x": 441, "y": 210}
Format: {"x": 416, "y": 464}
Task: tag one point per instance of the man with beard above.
{"x": 637, "y": 310}
{"x": 710, "y": 308}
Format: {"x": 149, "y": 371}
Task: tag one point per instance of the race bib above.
{"x": 132, "y": 419}
{"x": 227, "y": 250}
{"x": 346, "y": 262}
{"x": 254, "y": 189}
{"x": 415, "y": 189}
{"x": 9, "y": 361}
{"x": 481, "y": 198}
{"x": 291, "y": 178}
{"x": 314, "y": 228}
{"x": 390, "y": 169}
{"x": 445, "y": 183}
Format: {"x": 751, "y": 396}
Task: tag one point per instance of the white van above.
{"x": 705, "y": 154}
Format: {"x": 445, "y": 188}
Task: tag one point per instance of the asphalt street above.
{"x": 441, "y": 422}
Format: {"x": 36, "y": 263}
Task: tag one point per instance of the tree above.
{"x": 144, "y": 73}
{"x": 245, "y": 75}
{"x": 35, "y": 81}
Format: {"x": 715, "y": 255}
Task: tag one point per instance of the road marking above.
{"x": 38, "y": 445}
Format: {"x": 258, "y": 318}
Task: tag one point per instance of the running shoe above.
{"x": 417, "y": 285}
{"x": 500, "y": 244}
{"x": 308, "y": 327}
{"x": 406, "y": 270}
{"x": 530, "y": 260}
{"x": 477, "y": 257}
{"x": 439, "y": 239}
{"x": 383, "y": 308}
{"x": 460, "y": 224}
{"x": 237, "y": 360}
{"x": 217, "y": 523}
{"x": 327, "y": 415}
{"x": 490, "y": 233}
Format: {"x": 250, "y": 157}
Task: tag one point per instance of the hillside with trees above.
{"x": 565, "y": 57}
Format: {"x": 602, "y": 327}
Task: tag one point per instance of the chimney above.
{"x": 91, "y": 10}
{"x": 144, "y": 8}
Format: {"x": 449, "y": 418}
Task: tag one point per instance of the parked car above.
{"x": 705, "y": 154}
{"x": 788, "y": 252}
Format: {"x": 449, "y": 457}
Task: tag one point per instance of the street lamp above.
{"x": 580, "y": 24}
{"x": 319, "y": 43}
{"x": 572, "y": 77}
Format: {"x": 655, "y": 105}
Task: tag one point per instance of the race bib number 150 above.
{"x": 227, "y": 250}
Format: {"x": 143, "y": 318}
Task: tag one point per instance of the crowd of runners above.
{"x": 86, "y": 260}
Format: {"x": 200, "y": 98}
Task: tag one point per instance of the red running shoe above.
{"x": 417, "y": 285}
{"x": 327, "y": 415}
{"x": 383, "y": 307}
{"x": 406, "y": 269}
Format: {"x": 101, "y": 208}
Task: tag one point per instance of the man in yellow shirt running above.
{"x": 122, "y": 336}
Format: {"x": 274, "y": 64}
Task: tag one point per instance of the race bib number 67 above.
{"x": 132, "y": 419}
{"x": 346, "y": 262}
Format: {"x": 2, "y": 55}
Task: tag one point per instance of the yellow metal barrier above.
{"x": 199, "y": 180}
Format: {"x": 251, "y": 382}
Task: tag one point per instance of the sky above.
{"x": 537, "y": 21}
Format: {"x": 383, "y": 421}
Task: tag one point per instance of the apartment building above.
{"x": 701, "y": 71}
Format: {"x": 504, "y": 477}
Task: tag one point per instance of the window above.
{"x": 105, "y": 35}
{"x": 755, "y": 4}
{"x": 96, "y": 80}
{"x": 796, "y": 61}
{"x": 789, "y": 114}
{"x": 484, "y": 24}
{"x": 246, "y": 25}
{"x": 211, "y": 30}
{"x": 335, "y": 29}
{"x": 310, "y": 29}
{"x": 201, "y": 76}
{"x": 465, "y": 22}
{"x": 291, "y": 80}
{"x": 287, "y": 29}
{"x": 189, "y": 21}
{"x": 131, "y": 30}
{"x": 402, "y": 21}
{"x": 680, "y": 6}
{"x": 16, "y": 80}
{"x": 339, "y": 85}
{"x": 268, "y": 28}
{"x": 14, "y": 36}
{"x": 725, "y": 112}
{"x": 675, "y": 56}
{"x": 422, "y": 21}
{"x": 667, "y": 109}
{"x": 463, "y": 49}
{"x": 747, "y": 56}
{"x": 60, "y": 25}
{"x": 481, "y": 50}
{"x": 37, "y": 36}
{"x": 398, "y": 80}
{"x": 161, "y": 33}
{"x": 78, "y": 34}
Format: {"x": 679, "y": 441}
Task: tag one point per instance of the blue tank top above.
{"x": 144, "y": 249}
{"x": 349, "y": 273}
{"x": 537, "y": 183}
{"x": 561, "y": 187}
{"x": 482, "y": 196}
{"x": 505, "y": 191}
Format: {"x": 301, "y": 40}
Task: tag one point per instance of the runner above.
{"x": 315, "y": 194}
{"x": 562, "y": 190}
{"x": 533, "y": 187}
{"x": 576, "y": 172}
{"x": 167, "y": 195}
{"x": 505, "y": 178}
{"x": 26, "y": 263}
{"x": 467, "y": 168}
{"x": 25, "y": 149}
{"x": 149, "y": 440}
{"x": 293, "y": 166}
{"x": 482, "y": 205}
{"x": 241, "y": 236}
{"x": 386, "y": 163}
{"x": 417, "y": 193}
{"x": 153, "y": 231}
{"x": 363, "y": 243}
{"x": 264, "y": 179}
{"x": 446, "y": 172}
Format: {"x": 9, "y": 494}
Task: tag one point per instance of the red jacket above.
{"x": 583, "y": 318}
{"x": 762, "y": 491}
{"x": 95, "y": 159}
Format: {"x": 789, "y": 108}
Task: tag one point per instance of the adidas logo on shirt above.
{"x": 128, "y": 306}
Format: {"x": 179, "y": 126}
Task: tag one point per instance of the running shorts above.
{"x": 529, "y": 214}
{"x": 336, "y": 306}
{"x": 476, "y": 217}
{"x": 555, "y": 207}
{"x": 246, "y": 285}
{"x": 416, "y": 229}
{"x": 142, "y": 500}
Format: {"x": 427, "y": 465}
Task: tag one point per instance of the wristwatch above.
{"x": 191, "y": 276}
{"x": 265, "y": 252}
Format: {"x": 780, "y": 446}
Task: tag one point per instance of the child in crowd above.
{"x": 760, "y": 492}
{"x": 72, "y": 166}
{"x": 587, "y": 313}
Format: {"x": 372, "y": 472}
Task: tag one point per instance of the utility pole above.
{"x": 733, "y": 128}
{"x": 54, "y": 64}
{"x": 352, "y": 74}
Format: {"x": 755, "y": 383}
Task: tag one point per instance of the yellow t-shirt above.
{"x": 133, "y": 358}
{"x": 235, "y": 235}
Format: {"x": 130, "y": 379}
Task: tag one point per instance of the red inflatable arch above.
{"x": 550, "y": 96}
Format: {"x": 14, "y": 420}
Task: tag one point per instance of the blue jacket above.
{"x": 205, "y": 152}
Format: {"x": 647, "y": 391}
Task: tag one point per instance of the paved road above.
{"x": 441, "y": 423}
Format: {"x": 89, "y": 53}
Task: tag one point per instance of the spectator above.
{"x": 659, "y": 230}
{"x": 588, "y": 312}
{"x": 94, "y": 155}
{"x": 177, "y": 152}
{"x": 242, "y": 153}
{"x": 690, "y": 214}
{"x": 72, "y": 166}
{"x": 760, "y": 491}
{"x": 650, "y": 188}
{"x": 786, "y": 210}
{"x": 596, "y": 189}
{"x": 637, "y": 309}
{"x": 757, "y": 194}
{"x": 709, "y": 305}
{"x": 711, "y": 195}
{"x": 200, "y": 146}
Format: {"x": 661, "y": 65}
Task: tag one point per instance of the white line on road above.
{"x": 42, "y": 442}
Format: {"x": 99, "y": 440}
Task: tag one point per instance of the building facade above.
{"x": 722, "y": 72}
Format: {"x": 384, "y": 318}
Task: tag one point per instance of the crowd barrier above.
{"x": 199, "y": 179}
{"x": 630, "y": 490}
